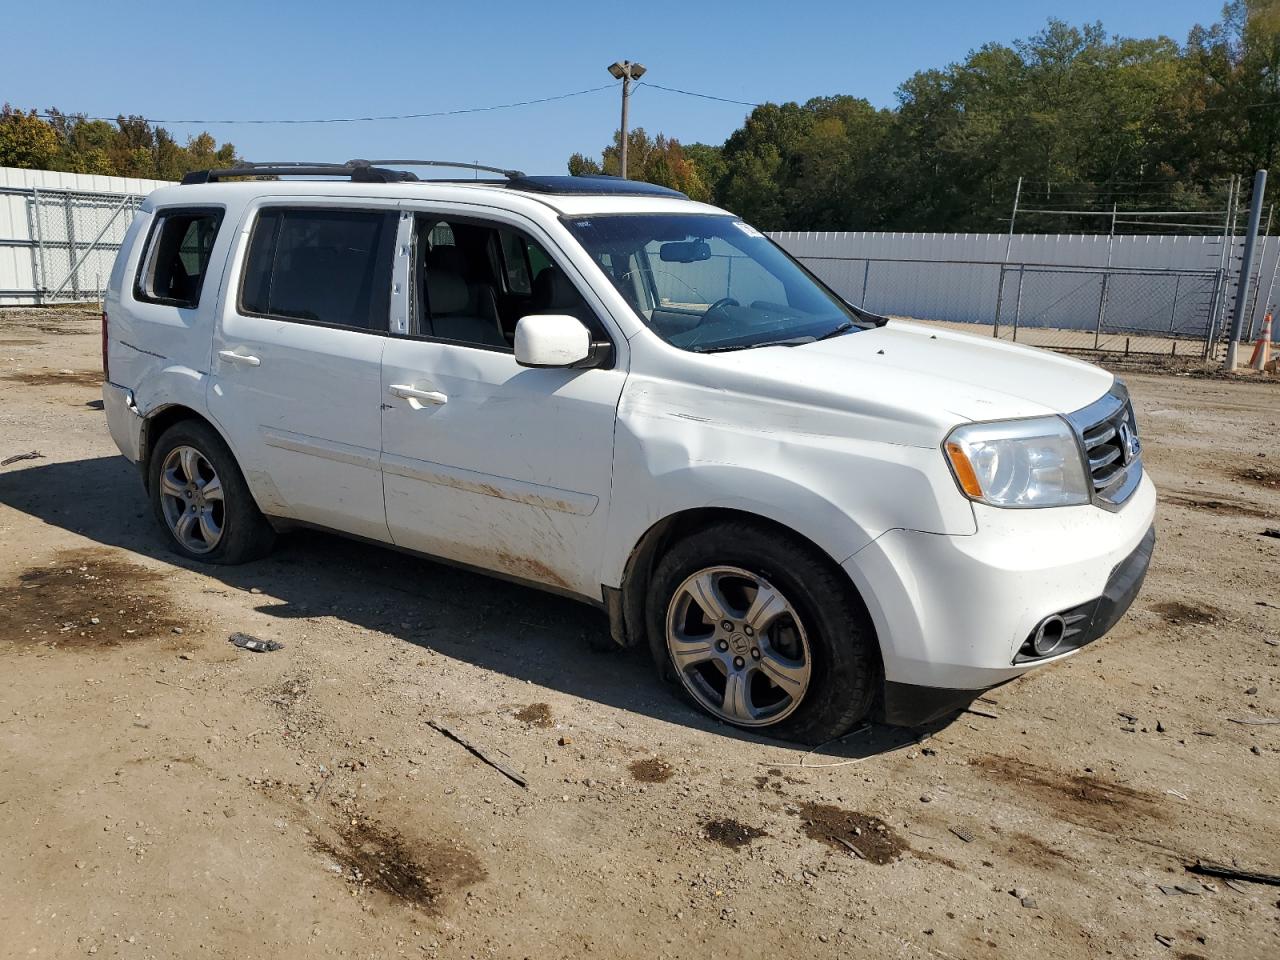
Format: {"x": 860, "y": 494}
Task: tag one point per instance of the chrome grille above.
{"x": 1109, "y": 436}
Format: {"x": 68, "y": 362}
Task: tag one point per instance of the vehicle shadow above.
{"x": 514, "y": 630}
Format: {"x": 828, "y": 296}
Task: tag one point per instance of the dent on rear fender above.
{"x": 156, "y": 387}
{"x": 681, "y": 447}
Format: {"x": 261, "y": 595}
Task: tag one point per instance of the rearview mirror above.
{"x": 685, "y": 251}
{"x": 551, "y": 340}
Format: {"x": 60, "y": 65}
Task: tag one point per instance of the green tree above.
{"x": 131, "y": 147}
{"x": 659, "y": 160}
{"x": 1235, "y": 77}
{"x": 26, "y": 140}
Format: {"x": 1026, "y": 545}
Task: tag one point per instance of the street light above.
{"x": 626, "y": 71}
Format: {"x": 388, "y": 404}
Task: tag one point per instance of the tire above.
{"x": 819, "y": 620}
{"x": 223, "y": 527}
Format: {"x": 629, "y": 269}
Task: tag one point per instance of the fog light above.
{"x": 1048, "y": 636}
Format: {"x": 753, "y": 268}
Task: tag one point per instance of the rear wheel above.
{"x": 201, "y": 500}
{"x": 762, "y": 632}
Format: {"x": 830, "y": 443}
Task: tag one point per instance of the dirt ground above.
{"x": 165, "y": 794}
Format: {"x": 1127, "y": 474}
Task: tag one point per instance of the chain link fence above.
{"x": 1109, "y": 309}
{"x": 1134, "y": 310}
{"x": 68, "y": 246}
{"x": 58, "y": 245}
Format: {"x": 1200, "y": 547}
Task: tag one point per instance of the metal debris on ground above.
{"x": 982, "y": 713}
{"x": 1271, "y": 532}
{"x": 1208, "y": 869}
{"x": 30, "y": 455}
{"x": 246, "y": 642}
{"x": 498, "y": 765}
{"x": 1255, "y": 721}
{"x": 962, "y": 833}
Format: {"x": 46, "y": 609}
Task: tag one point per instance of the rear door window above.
{"x": 329, "y": 267}
{"x": 177, "y": 258}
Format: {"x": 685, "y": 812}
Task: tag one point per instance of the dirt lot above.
{"x": 164, "y": 794}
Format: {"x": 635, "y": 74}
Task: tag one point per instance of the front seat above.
{"x": 459, "y": 310}
{"x": 449, "y": 301}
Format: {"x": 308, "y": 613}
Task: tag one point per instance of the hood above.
{"x": 929, "y": 368}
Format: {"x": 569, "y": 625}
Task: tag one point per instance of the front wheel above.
{"x": 201, "y": 500}
{"x": 763, "y": 632}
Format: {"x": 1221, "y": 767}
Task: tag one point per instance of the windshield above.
{"x": 709, "y": 283}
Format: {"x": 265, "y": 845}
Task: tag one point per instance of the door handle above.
{"x": 242, "y": 358}
{"x": 412, "y": 393}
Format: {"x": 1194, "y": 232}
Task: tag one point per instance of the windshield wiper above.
{"x": 843, "y": 328}
{"x": 789, "y": 342}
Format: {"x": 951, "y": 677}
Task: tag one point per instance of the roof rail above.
{"x": 360, "y": 171}
{"x": 509, "y": 174}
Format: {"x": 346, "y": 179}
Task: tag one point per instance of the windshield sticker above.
{"x": 749, "y": 230}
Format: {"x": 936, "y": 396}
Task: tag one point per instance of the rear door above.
{"x": 297, "y": 358}
{"x": 486, "y": 462}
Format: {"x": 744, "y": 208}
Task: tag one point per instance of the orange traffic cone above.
{"x": 1262, "y": 347}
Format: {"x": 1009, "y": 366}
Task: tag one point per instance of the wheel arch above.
{"x": 626, "y": 603}
{"x": 157, "y": 422}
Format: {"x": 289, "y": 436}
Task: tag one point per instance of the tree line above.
{"x": 130, "y": 147}
{"x": 1087, "y": 119}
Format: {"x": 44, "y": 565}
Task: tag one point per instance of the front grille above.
{"x": 1109, "y": 435}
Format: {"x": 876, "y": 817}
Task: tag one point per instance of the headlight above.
{"x": 1019, "y": 463}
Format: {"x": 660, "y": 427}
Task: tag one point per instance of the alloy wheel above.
{"x": 738, "y": 646}
{"x": 192, "y": 499}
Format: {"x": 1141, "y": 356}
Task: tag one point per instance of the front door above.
{"x": 484, "y": 461}
{"x": 297, "y": 360}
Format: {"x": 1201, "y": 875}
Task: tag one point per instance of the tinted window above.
{"x": 178, "y": 257}
{"x": 321, "y": 266}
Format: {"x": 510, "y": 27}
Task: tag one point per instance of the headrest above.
{"x": 553, "y": 291}
{"x": 447, "y": 259}
{"x": 446, "y": 292}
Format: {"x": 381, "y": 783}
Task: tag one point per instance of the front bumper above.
{"x": 952, "y": 612}
{"x": 909, "y": 704}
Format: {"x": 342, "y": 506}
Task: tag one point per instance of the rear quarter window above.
{"x": 176, "y": 259}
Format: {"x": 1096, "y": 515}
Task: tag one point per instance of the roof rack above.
{"x": 377, "y": 171}
{"x": 599, "y": 183}
{"x": 359, "y": 171}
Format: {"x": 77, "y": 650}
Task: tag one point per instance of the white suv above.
{"x": 604, "y": 389}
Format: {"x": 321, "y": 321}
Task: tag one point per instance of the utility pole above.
{"x": 1246, "y": 267}
{"x": 626, "y": 71}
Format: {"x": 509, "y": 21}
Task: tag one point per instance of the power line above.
{"x": 701, "y": 96}
{"x": 401, "y": 116}
{"x": 962, "y": 113}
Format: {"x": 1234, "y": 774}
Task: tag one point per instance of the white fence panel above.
{"x": 1157, "y": 283}
{"x": 59, "y": 232}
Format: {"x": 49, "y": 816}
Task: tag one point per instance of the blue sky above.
{"x": 324, "y": 59}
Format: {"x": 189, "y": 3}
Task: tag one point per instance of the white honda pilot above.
{"x": 604, "y": 389}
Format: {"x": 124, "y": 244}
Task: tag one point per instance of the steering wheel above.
{"x": 718, "y": 305}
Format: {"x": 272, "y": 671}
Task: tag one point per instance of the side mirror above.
{"x": 551, "y": 340}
